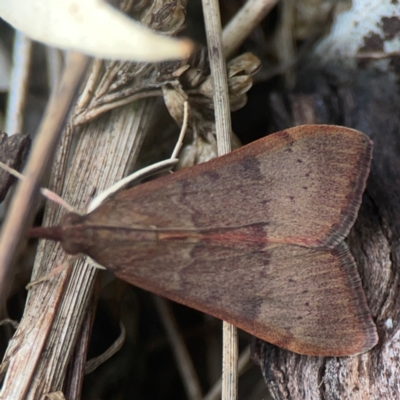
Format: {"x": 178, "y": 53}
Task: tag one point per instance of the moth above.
{"x": 255, "y": 237}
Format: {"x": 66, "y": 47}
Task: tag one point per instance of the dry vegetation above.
{"x": 129, "y": 116}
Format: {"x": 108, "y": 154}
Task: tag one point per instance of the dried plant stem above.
{"x": 244, "y": 22}
{"x": 183, "y": 360}
{"x": 73, "y": 387}
{"x": 54, "y": 63}
{"x": 79, "y": 120}
{"x": 45, "y": 192}
{"x": 218, "y": 71}
{"x": 19, "y": 83}
{"x": 111, "y": 72}
{"x": 223, "y": 131}
{"x": 285, "y": 41}
{"x": 229, "y": 362}
{"x": 42, "y": 149}
{"x": 244, "y": 359}
{"x": 104, "y": 152}
{"x": 90, "y": 86}
{"x": 94, "y": 363}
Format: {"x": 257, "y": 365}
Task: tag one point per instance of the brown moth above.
{"x": 255, "y": 237}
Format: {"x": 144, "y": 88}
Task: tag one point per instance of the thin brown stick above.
{"x": 243, "y": 23}
{"x": 244, "y": 359}
{"x": 54, "y": 64}
{"x": 14, "y": 385}
{"x": 42, "y": 149}
{"x": 183, "y": 360}
{"x": 82, "y": 119}
{"x": 223, "y": 131}
{"x": 19, "y": 83}
{"x": 218, "y": 71}
{"x": 73, "y": 388}
{"x": 95, "y": 362}
{"x": 104, "y": 152}
{"x": 285, "y": 41}
{"x": 90, "y": 86}
{"x": 45, "y": 192}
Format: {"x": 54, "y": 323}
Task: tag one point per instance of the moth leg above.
{"x": 55, "y": 271}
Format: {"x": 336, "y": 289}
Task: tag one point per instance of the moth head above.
{"x": 76, "y": 234}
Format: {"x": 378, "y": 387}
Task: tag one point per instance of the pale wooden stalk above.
{"x": 285, "y": 42}
{"x": 243, "y": 362}
{"x": 184, "y": 362}
{"x": 224, "y": 133}
{"x": 54, "y": 63}
{"x": 41, "y": 156}
{"x": 244, "y": 22}
{"x": 218, "y": 70}
{"x": 78, "y": 365}
{"x": 19, "y": 84}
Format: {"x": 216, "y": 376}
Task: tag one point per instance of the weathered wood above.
{"x": 372, "y": 105}
{"x": 116, "y": 136}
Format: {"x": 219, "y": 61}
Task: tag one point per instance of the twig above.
{"x": 244, "y": 359}
{"x": 6, "y": 321}
{"x": 108, "y": 78}
{"x": 285, "y": 42}
{"x": 81, "y": 119}
{"x": 243, "y": 23}
{"x": 45, "y": 192}
{"x": 45, "y": 144}
{"x": 74, "y": 382}
{"x": 90, "y": 85}
{"x": 104, "y": 152}
{"x": 54, "y": 63}
{"x": 19, "y": 83}
{"x": 218, "y": 71}
{"x": 95, "y": 362}
{"x": 223, "y": 131}
{"x": 183, "y": 360}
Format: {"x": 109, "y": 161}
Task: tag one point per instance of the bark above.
{"x": 367, "y": 101}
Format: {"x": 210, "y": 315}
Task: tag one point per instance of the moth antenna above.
{"x": 183, "y": 130}
{"x": 144, "y": 172}
{"x": 52, "y": 196}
